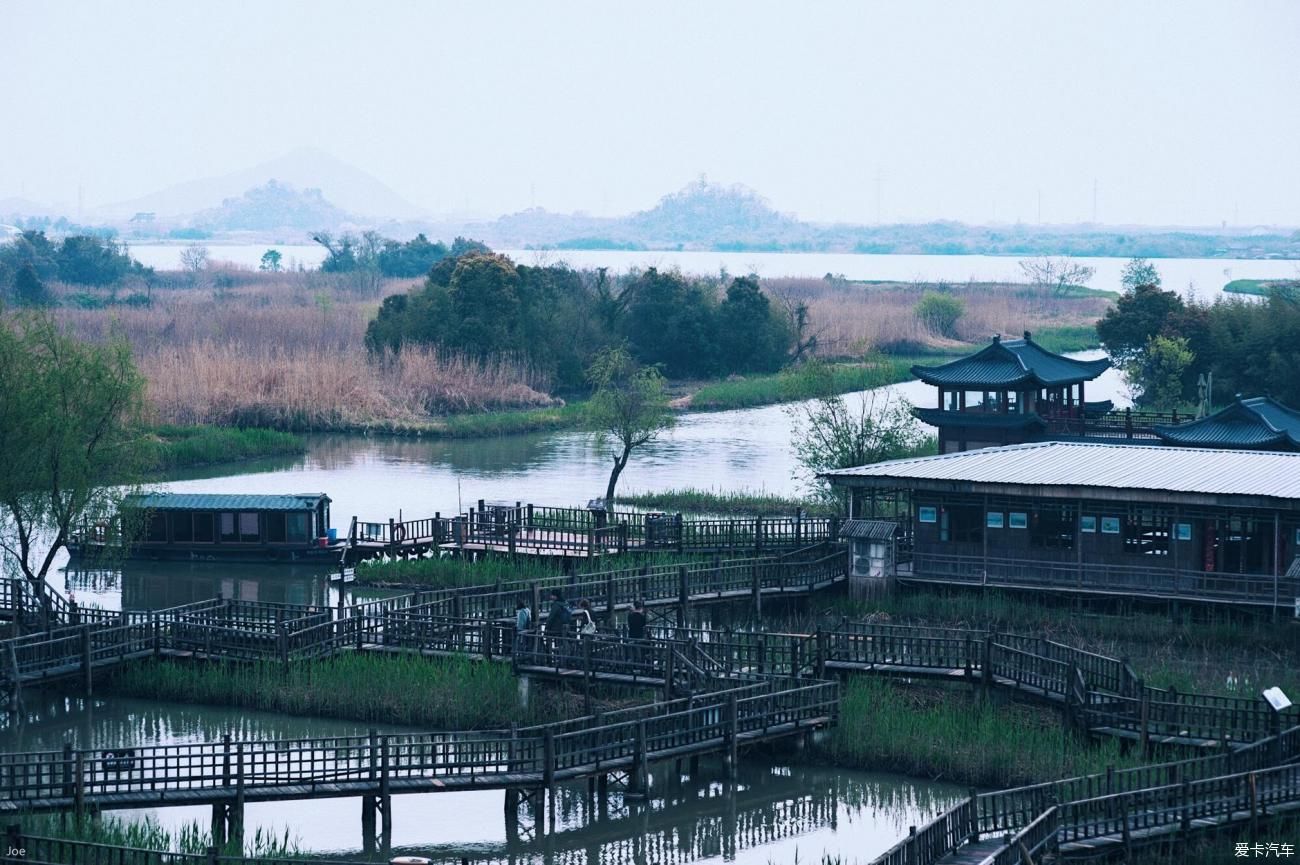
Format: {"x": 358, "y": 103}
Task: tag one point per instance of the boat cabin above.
{"x": 221, "y": 526}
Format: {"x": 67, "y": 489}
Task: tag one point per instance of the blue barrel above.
{"x": 333, "y": 535}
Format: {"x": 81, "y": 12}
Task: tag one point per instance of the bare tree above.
{"x": 1056, "y": 274}
{"x": 194, "y": 257}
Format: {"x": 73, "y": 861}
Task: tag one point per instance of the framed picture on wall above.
{"x": 1088, "y": 524}
{"x": 1018, "y": 521}
{"x": 1183, "y": 531}
{"x": 1110, "y": 525}
{"x": 994, "y": 520}
{"x": 927, "y": 515}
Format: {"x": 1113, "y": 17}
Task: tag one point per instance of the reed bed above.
{"x": 746, "y": 503}
{"x": 145, "y": 832}
{"x": 850, "y": 318}
{"x": 453, "y": 693}
{"x": 942, "y": 735}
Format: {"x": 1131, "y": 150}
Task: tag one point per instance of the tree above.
{"x": 68, "y": 432}
{"x": 1056, "y": 274}
{"x": 1138, "y": 315}
{"x": 1158, "y": 374}
{"x": 194, "y": 257}
{"x": 940, "y": 313}
{"x": 29, "y": 290}
{"x": 1137, "y": 272}
{"x": 752, "y": 336}
{"x": 834, "y": 431}
{"x": 270, "y": 261}
{"x": 629, "y": 408}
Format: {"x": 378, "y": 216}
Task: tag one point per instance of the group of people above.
{"x": 563, "y": 620}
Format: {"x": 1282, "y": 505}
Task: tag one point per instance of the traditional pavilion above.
{"x": 1259, "y": 423}
{"x": 1009, "y": 392}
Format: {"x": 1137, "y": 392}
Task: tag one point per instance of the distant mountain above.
{"x": 704, "y": 212}
{"x": 13, "y": 207}
{"x": 347, "y": 186}
{"x": 271, "y": 207}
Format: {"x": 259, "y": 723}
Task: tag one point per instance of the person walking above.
{"x": 585, "y": 620}
{"x": 636, "y": 621}
{"x": 558, "y": 619}
{"x": 523, "y": 621}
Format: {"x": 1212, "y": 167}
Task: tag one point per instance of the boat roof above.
{"x": 223, "y": 501}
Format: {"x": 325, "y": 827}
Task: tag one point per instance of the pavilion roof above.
{"x": 1258, "y": 423}
{"x": 1010, "y": 362}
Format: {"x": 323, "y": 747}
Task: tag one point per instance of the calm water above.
{"x": 1205, "y": 276}
{"x": 375, "y": 478}
{"x": 776, "y": 811}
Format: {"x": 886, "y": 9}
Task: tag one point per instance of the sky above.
{"x": 1169, "y": 113}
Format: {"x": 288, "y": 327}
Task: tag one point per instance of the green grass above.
{"x": 742, "y": 503}
{"x": 947, "y": 734}
{"x": 782, "y": 387}
{"x": 172, "y": 447}
{"x": 146, "y": 833}
{"x": 452, "y": 573}
{"x": 1070, "y": 338}
{"x": 454, "y": 693}
{"x": 569, "y": 416}
{"x": 1260, "y": 287}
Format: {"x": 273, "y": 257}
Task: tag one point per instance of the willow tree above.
{"x": 628, "y": 408}
{"x": 69, "y": 434}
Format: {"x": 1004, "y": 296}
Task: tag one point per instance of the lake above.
{"x": 1205, "y": 276}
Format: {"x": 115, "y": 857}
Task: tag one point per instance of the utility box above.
{"x": 873, "y": 556}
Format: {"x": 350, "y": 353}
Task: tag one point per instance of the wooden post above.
{"x": 758, "y": 534}
{"x": 609, "y": 600}
{"x": 757, "y": 588}
{"x": 1144, "y": 718}
{"x": 282, "y": 645}
{"x": 732, "y": 736}
{"x": 683, "y": 597}
{"x": 385, "y": 799}
{"x": 79, "y": 791}
{"x": 668, "y": 672}
{"x": 548, "y": 755}
{"x": 511, "y": 531}
{"x": 986, "y": 666}
{"x": 823, "y": 649}
{"x": 86, "y": 683}
{"x": 69, "y": 764}
{"x": 392, "y": 536}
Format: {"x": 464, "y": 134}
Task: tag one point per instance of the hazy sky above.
{"x": 1180, "y": 112}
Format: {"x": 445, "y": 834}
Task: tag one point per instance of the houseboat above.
{"x": 216, "y": 527}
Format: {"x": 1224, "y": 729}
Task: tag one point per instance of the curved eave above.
{"x": 976, "y": 420}
{"x": 1210, "y": 438}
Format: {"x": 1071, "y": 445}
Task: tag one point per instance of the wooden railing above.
{"x": 1155, "y": 581}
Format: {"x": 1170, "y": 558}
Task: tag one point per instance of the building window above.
{"x": 182, "y": 527}
{"x": 275, "y": 528}
{"x": 1110, "y": 525}
{"x": 226, "y": 520}
{"x": 1088, "y": 524}
{"x": 203, "y": 528}
{"x": 1053, "y": 528}
{"x": 157, "y": 528}
{"x": 994, "y": 520}
{"x": 248, "y": 531}
{"x": 296, "y": 525}
{"x": 965, "y": 525}
{"x": 927, "y": 515}
{"x": 1146, "y": 534}
{"x": 1018, "y": 520}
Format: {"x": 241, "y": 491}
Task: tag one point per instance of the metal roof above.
{"x": 1259, "y": 422}
{"x": 1294, "y": 570}
{"x": 1009, "y": 362}
{"x": 223, "y": 502}
{"x": 868, "y": 530}
{"x": 1096, "y": 466}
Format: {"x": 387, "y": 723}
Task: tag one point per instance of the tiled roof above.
{"x": 1101, "y": 466}
{"x": 1004, "y": 363}
{"x": 1259, "y": 422}
{"x": 223, "y": 502}
{"x": 977, "y": 419}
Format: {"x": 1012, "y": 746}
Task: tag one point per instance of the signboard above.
{"x": 1277, "y": 699}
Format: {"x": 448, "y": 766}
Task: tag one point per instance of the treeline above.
{"x": 31, "y": 261}
{"x": 557, "y": 319}
{"x": 371, "y": 251}
{"x": 1165, "y": 344}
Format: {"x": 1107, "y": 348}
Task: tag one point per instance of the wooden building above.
{"x": 1143, "y": 520}
{"x": 228, "y": 527}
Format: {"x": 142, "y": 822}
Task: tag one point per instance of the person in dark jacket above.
{"x": 559, "y": 619}
{"x": 636, "y": 621}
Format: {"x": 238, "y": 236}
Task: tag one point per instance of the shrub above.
{"x": 940, "y": 313}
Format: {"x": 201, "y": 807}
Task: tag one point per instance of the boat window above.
{"x": 275, "y": 528}
{"x": 296, "y": 526}
{"x": 182, "y": 527}
{"x": 227, "y": 521}
{"x": 203, "y": 528}
{"x": 157, "y": 527}
{"x": 248, "y": 530}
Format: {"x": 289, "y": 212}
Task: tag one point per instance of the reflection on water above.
{"x": 774, "y": 811}
{"x": 375, "y": 478}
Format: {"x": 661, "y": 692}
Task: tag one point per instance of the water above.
{"x": 777, "y": 810}
{"x": 1206, "y": 276}
{"x": 375, "y": 478}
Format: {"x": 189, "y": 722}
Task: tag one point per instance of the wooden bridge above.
{"x": 575, "y": 533}
{"x": 723, "y": 689}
